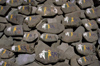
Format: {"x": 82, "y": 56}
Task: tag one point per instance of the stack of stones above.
{"x": 49, "y": 33}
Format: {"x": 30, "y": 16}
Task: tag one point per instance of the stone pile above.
{"x": 49, "y": 33}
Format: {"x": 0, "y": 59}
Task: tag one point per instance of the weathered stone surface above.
{"x": 23, "y": 59}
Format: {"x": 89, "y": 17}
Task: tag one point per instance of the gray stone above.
{"x": 34, "y": 10}
{"x": 62, "y": 64}
{"x": 2, "y": 1}
{"x": 23, "y": 48}
{"x": 57, "y": 19}
{"x": 2, "y": 26}
{"x": 25, "y": 27}
{"x": 70, "y": 52}
{"x": 6, "y": 42}
{"x": 3, "y": 20}
{"x": 74, "y": 61}
{"x": 23, "y": 59}
{"x": 59, "y": 2}
{"x": 63, "y": 46}
{"x": 15, "y": 18}
{"x": 96, "y": 63}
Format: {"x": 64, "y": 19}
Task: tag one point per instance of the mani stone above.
{"x": 31, "y": 36}
{"x": 32, "y": 2}
{"x": 71, "y": 21}
{"x": 32, "y": 21}
{"x": 93, "y": 13}
{"x": 69, "y": 53}
{"x": 5, "y": 53}
{"x": 25, "y": 9}
{"x": 89, "y": 24}
{"x": 47, "y": 10}
{"x": 50, "y": 55}
{"x": 4, "y": 9}
{"x": 23, "y": 48}
{"x": 2, "y": 1}
{"x": 86, "y": 60}
{"x": 23, "y": 59}
{"x": 59, "y": 2}
{"x": 7, "y": 63}
{"x": 69, "y": 7}
{"x": 15, "y": 18}
{"x": 50, "y": 27}
{"x": 85, "y": 3}
{"x": 14, "y": 30}
{"x": 47, "y": 37}
{"x": 90, "y": 36}
{"x": 85, "y": 48}
{"x": 14, "y": 3}
{"x": 70, "y": 36}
